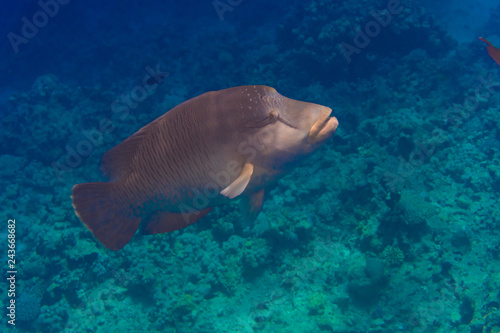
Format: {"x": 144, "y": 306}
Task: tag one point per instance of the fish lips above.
{"x": 324, "y": 127}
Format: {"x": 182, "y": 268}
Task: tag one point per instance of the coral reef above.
{"x": 393, "y": 255}
{"x": 29, "y": 303}
{"x": 415, "y": 209}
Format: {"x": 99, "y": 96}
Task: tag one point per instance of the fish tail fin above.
{"x": 108, "y": 221}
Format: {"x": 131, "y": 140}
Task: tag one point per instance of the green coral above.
{"x": 393, "y": 255}
{"x": 255, "y": 252}
{"x": 415, "y": 209}
{"x": 368, "y": 227}
{"x": 316, "y": 304}
{"x": 185, "y": 305}
{"x": 230, "y": 280}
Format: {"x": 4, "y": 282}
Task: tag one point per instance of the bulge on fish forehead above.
{"x": 301, "y": 115}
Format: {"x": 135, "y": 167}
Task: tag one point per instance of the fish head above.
{"x": 283, "y": 130}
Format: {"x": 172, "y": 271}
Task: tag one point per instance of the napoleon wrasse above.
{"x": 235, "y": 142}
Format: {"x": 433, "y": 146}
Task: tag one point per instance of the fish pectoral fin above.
{"x": 162, "y": 222}
{"x": 238, "y": 186}
{"x": 251, "y": 205}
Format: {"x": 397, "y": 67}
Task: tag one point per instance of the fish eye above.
{"x": 272, "y": 118}
{"x": 273, "y": 115}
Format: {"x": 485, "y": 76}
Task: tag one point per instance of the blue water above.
{"x": 391, "y": 226}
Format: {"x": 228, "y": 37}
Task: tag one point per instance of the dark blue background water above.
{"x": 112, "y": 36}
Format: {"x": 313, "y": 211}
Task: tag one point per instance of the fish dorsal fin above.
{"x": 251, "y": 205}
{"x": 117, "y": 161}
{"x": 161, "y": 222}
{"x": 238, "y": 186}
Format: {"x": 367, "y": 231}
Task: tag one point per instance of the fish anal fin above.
{"x": 238, "y": 186}
{"x": 107, "y": 221}
{"x": 161, "y": 222}
{"x": 251, "y": 205}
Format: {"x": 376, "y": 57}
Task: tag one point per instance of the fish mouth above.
{"x": 324, "y": 127}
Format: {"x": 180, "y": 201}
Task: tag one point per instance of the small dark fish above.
{"x": 235, "y": 142}
{"x": 492, "y": 51}
{"x": 262, "y": 306}
{"x": 157, "y": 78}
